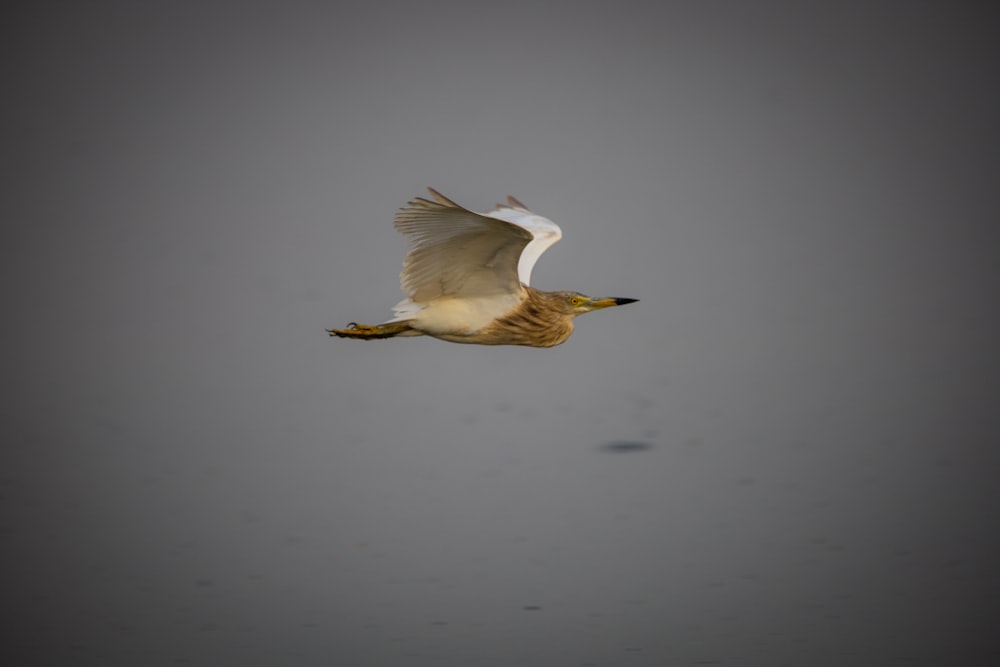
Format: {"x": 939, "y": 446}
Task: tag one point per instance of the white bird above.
{"x": 467, "y": 276}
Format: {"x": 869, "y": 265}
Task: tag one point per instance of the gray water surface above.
{"x": 785, "y": 454}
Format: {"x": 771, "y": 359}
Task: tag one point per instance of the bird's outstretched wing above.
{"x": 455, "y": 252}
{"x": 544, "y": 233}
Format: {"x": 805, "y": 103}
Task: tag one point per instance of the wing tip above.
{"x": 439, "y": 201}
{"x": 440, "y": 198}
{"x": 514, "y": 203}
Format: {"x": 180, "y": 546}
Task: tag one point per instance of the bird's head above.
{"x": 574, "y": 303}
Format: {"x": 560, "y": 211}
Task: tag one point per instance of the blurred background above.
{"x": 785, "y": 454}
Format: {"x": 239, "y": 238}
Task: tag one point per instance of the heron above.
{"x": 467, "y": 278}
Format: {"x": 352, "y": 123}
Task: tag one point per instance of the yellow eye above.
{"x": 576, "y": 301}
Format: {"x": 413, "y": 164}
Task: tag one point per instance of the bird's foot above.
{"x": 355, "y": 330}
{"x": 368, "y": 331}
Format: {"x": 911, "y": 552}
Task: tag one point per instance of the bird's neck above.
{"x": 537, "y": 321}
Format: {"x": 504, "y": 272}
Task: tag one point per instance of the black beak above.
{"x": 622, "y": 302}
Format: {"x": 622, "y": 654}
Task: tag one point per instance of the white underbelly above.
{"x": 462, "y": 316}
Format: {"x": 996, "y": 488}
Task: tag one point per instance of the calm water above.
{"x": 785, "y": 453}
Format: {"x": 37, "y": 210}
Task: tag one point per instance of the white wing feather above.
{"x": 458, "y": 253}
{"x": 544, "y": 232}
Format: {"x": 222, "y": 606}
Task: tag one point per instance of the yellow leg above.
{"x": 370, "y": 331}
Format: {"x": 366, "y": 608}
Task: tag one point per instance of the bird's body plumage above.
{"x": 467, "y": 278}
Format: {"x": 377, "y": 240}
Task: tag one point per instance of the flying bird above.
{"x": 467, "y": 276}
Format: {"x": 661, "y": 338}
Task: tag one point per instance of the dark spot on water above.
{"x": 626, "y": 447}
